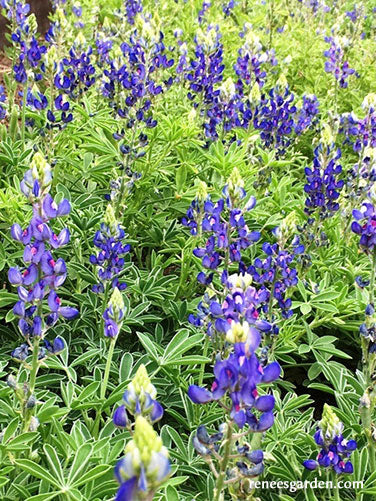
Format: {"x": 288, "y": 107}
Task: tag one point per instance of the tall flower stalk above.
{"x": 37, "y": 281}
{"x": 113, "y": 319}
{"x": 146, "y": 463}
{"x": 365, "y": 226}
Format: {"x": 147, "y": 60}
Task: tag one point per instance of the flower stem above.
{"x": 28, "y": 413}
{"x": 202, "y": 368}
{"x": 23, "y": 114}
{"x": 108, "y": 367}
{"x": 110, "y": 355}
{"x": 223, "y": 466}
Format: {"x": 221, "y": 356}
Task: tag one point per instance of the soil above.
{"x": 41, "y": 9}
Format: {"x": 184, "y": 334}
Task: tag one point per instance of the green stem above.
{"x": 368, "y": 405}
{"x": 226, "y": 453}
{"x": 23, "y": 114}
{"x": 108, "y": 367}
{"x": 28, "y": 413}
{"x": 110, "y": 355}
{"x": 202, "y": 368}
{"x": 336, "y": 490}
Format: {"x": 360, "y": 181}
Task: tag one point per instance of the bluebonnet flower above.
{"x": 114, "y": 314}
{"x": 132, "y": 8}
{"x": 132, "y": 80}
{"x": 307, "y": 114}
{"x": 367, "y": 228}
{"x": 110, "y": 258}
{"x": 145, "y": 464}
{"x": 237, "y": 377}
{"x": 238, "y": 314}
{"x": 42, "y": 274}
{"x": 30, "y": 59}
{"x": 17, "y": 13}
{"x": 252, "y": 60}
{"x": 136, "y": 75}
{"x": 36, "y": 100}
{"x": 3, "y": 99}
{"x": 218, "y": 105}
{"x": 202, "y": 12}
{"x": 356, "y": 14}
{"x": 60, "y": 115}
{"x": 276, "y": 274}
{"x": 76, "y": 73}
{"x": 205, "y": 71}
{"x": 361, "y": 132}
{"x": 335, "y": 62}
{"x": 335, "y": 450}
{"x": 139, "y": 399}
{"x": 227, "y": 7}
{"x": 274, "y": 117}
{"x": 223, "y": 223}
{"x": 323, "y": 179}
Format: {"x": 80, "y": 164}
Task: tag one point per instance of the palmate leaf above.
{"x": 38, "y": 471}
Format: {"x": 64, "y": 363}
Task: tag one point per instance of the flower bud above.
{"x": 327, "y": 138}
{"x": 330, "y": 424}
{"x": 255, "y": 94}
{"x": 34, "y": 423}
{"x": 32, "y": 22}
{"x": 202, "y": 191}
{"x": 12, "y": 382}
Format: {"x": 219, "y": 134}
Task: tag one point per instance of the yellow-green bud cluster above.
{"x": 330, "y": 424}
{"x": 235, "y": 183}
{"x": 110, "y": 220}
{"x": 202, "y": 191}
{"x": 41, "y": 170}
{"x": 327, "y": 136}
{"x": 117, "y": 303}
{"x": 145, "y": 448}
{"x": 141, "y": 384}
{"x": 238, "y": 333}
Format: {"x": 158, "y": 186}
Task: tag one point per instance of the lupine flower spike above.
{"x": 139, "y": 400}
{"x": 41, "y": 275}
{"x": 335, "y": 450}
{"x": 145, "y": 464}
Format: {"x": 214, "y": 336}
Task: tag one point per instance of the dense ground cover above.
{"x": 187, "y": 256}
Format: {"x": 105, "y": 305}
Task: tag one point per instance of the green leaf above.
{"x": 54, "y": 462}
{"x": 80, "y": 461}
{"x": 35, "y": 470}
{"x": 92, "y": 474}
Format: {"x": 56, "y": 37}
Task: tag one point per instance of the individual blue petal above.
{"x": 310, "y": 464}
{"x": 58, "y": 345}
{"x": 255, "y": 456}
{"x": 15, "y": 276}
{"x": 199, "y": 395}
{"x": 68, "y": 312}
{"x": 264, "y": 403}
{"x": 271, "y": 372}
{"x": 127, "y": 490}
{"x": 348, "y": 468}
{"x": 157, "y": 412}
{"x": 120, "y": 418}
{"x": 265, "y": 422}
